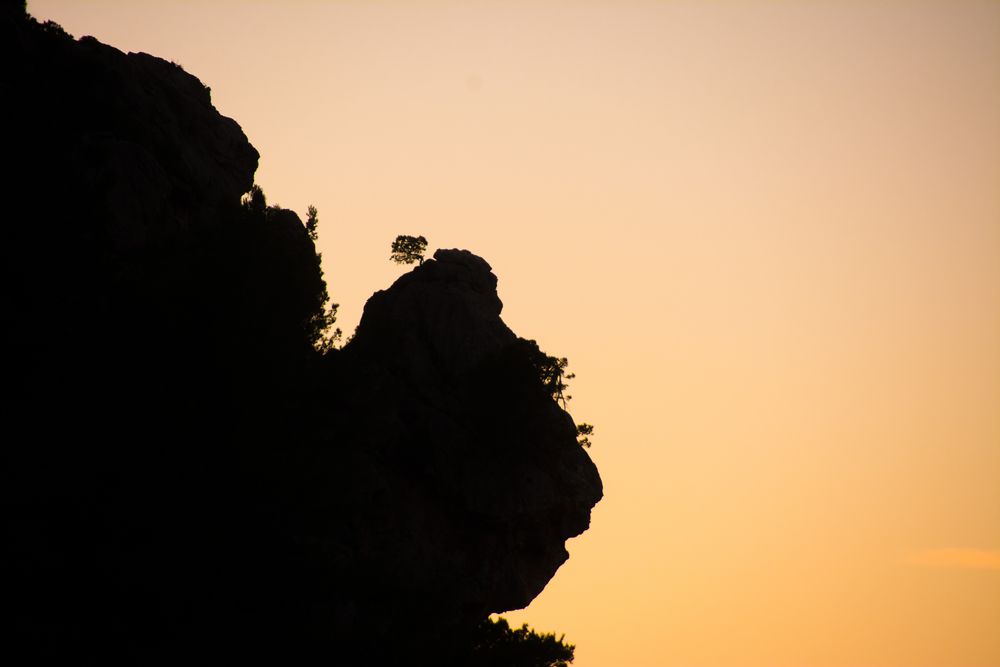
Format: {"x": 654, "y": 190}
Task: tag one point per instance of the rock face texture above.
{"x": 183, "y": 473}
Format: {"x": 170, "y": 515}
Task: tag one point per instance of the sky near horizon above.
{"x": 766, "y": 235}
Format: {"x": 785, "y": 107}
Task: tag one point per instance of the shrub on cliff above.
{"x": 549, "y": 370}
{"x": 498, "y": 645}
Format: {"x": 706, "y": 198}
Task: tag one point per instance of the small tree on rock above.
{"x": 408, "y": 249}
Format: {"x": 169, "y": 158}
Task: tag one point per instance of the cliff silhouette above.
{"x": 184, "y": 476}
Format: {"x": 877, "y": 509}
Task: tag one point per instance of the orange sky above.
{"x": 766, "y": 235}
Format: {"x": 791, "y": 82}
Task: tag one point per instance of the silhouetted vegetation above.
{"x": 54, "y": 28}
{"x": 408, "y": 249}
{"x": 318, "y": 314}
{"x": 312, "y": 222}
{"x": 498, "y": 645}
{"x": 549, "y": 374}
{"x": 551, "y": 371}
{"x": 318, "y": 328}
{"x": 255, "y": 201}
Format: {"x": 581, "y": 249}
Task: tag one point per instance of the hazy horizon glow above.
{"x": 767, "y": 236}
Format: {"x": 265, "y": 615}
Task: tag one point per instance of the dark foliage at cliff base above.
{"x": 498, "y": 645}
{"x": 185, "y": 475}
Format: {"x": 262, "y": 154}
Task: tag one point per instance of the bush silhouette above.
{"x": 496, "y": 644}
{"x": 551, "y": 371}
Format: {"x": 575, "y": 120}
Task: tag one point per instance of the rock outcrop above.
{"x": 183, "y": 473}
{"x": 491, "y": 450}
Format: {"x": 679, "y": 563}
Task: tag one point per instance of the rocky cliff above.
{"x": 184, "y": 475}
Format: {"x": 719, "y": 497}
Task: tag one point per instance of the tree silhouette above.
{"x": 312, "y": 221}
{"x": 408, "y": 249}
{"x": 551, "y": 373}
{"x": 497, "y": 645}
{"x": 551, "y": 370}
{"x": 255, "y": 201}
{"x": 320, "y": 321}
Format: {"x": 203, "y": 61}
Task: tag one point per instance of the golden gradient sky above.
{"x": 766, "y": 235}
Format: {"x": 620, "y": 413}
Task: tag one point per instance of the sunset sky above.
{"x": 765, "y": 234}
